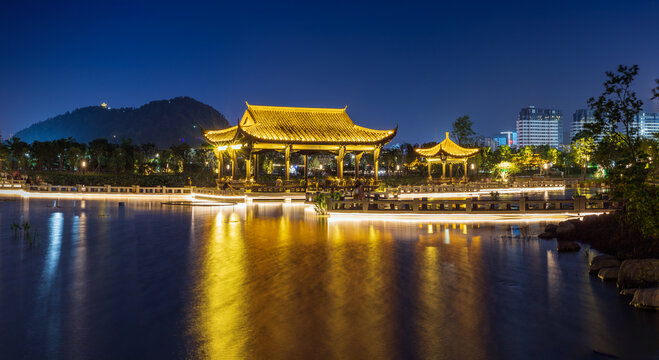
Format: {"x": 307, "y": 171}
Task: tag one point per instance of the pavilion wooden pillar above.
{"x": 248, "y": 167}
{"x": 339, "y": 162}
{"x": 450, "y": 170}
{"x": 429, "y": 170}
{"x": 220, "y": 163}
{"x": 358, "y": 158}
{"x": 376, "y": 158}
{"x": 287, "y": 157}
{"x": 306, "y": 171}
{"x": 233, "y": 164}
{"x": 256, "y": 167}
{"x": 465, "y": 164}
{"x": 443, "y": 170}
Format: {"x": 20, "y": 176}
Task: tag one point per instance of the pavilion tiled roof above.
{"x": 448, "y": 148}
{"x": 297, "y": 125}
{"x": 221, "y": 136}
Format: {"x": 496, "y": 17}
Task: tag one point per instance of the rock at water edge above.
{"x": 610, "y": 273}
{"x": 601, "y": 262}
{"x": 567, "y": 246}
{"x": 646, "y": 299}
{"x": 638, "y": 274}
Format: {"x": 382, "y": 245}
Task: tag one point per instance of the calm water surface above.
{"x": 273, "y": 281}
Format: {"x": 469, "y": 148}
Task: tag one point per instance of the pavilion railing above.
{"x": 11, "y": 184}
{"x": 107, "y": 189}
{"x": 473, "y": 206}
{"x": 476, "y": 186}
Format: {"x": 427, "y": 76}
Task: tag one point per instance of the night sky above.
{"x": 413, "y": 64}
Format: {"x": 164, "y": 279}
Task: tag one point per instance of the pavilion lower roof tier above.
{"x": 295, "y": 125}
{"x": 221, "y": 137}
{"x": 447, "y": 148}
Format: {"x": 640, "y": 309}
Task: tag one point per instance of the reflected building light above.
{"x": 447, "y": 236}
{"x": 430, "y": 229}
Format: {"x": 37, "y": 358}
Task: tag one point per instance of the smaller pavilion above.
{"x": 447, "y": 152}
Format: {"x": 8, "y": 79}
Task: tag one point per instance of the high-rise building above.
{"x": 580, "y": 118}
{"x": 646, "y": 124}
{"x": 508, "y": 138}
{"x": 537, "y": 126}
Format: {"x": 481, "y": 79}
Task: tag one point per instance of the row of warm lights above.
{"x": 234, "y": 147}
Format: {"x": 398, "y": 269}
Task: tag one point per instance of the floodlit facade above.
{"x": 580, "y": 118}
{"x": 287, "y": 130}
{"x": 647, "y": 124}
{"x": 536, "y": 126}
{"x": 508, "y": 138}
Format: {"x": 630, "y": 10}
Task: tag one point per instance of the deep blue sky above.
{"x": 414, "y": 64}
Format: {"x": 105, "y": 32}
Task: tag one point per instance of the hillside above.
{"x": 163, "y": 122}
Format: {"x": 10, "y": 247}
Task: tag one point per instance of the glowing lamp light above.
{"x": 545, "y": 166}
{"x": 472, "y": 167}
{"x": 84, "y": 163}
{"x": 228, "y": 167}
{"x": 222, "y": 148}
{"x": 397, "y": 167}
{"x": 320, "y": 167}
{"x": 236, "y": 146}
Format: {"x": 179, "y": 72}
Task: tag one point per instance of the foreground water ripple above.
{"x": 274, "y": 281}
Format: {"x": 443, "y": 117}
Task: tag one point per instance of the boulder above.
{"x": 646, "y": 298}
{"x": 567, "y": 246}
{"x": 609, "y": 273}
{"x": 565, "y": 228}
{"x": 551, "y": 228}
{"x": 638, "y": 274}
{"x": 628, "y": 292}
{"x": 602, "y": 261}
{"x": 547, "y": 235}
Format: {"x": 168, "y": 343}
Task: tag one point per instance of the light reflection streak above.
{"x": 52, "y": 318}
{"x": 219, "y": 318}
{"x": 553, "y": 280}
{"x": 79, "y": 288}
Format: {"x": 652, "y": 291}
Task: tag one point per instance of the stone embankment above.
{"x": 635, "y": 278}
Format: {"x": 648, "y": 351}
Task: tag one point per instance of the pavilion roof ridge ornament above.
{"x": 294, "y": 108}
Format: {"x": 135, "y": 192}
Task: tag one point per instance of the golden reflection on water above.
{"x": 220, "y": 309}
{"x": 297, "y": 287}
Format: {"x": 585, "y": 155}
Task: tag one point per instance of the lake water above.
{"x": 273, "y": 281}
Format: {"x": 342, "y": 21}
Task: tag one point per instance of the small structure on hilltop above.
{"x": 447, "y": 152}
{"x": 295, "y": 129}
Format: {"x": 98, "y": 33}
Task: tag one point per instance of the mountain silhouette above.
{"x": 162, "y": 122}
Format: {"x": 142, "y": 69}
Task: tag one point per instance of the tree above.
{"x": 582, "y": 149}
{"x": 99, "y": 152}
{"x": 462, "y": 130}
{"x": 18, "y": 153}
{"x": 617, "y": 105}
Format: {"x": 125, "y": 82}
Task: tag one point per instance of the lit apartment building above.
{"x": 537, "y": 126}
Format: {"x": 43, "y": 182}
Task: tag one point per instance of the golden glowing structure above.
{"x": 294, "y": 129}
{"x": 447, "y": 152}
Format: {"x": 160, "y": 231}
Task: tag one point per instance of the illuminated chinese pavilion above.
{"x": 447, "y": 152}
{"x": 294, "y": 129}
